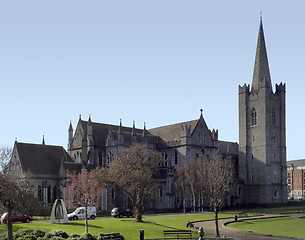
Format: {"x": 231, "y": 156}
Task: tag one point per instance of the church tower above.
{"x": 262, "y": 134}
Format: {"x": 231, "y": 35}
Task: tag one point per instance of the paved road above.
{"x": 209, "y": 227}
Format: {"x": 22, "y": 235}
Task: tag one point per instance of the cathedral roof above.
{"x": 41, "y": 159}
{"x": 261, "y": 73}
{"x": 100, "y": 132}
{"x": 228, "y": 147}
{"x": 172, "y": 132}
{"x": 77, "y": 167}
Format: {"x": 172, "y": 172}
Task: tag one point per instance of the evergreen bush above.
{"x": 27, "y": 237}
{"x": 57, "y": 233}
{"x": 74, "y": 236}
{"x": 87, "y": 236}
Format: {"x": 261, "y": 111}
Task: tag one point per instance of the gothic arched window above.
{"x": 253, "y": 117}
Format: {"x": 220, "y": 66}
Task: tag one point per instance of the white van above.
{"x": 79, "y": 213}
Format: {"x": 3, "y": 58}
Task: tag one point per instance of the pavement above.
{"x": 236, "y": 234}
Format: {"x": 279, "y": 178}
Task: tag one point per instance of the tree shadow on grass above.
{"x": 153, "y": 223}
{"x": 90, "y": 225}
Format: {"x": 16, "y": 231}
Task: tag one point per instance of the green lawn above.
{"x": 279, "y": 210}
{"x": 285, "y": 226}
{"x": 153, "y": 226}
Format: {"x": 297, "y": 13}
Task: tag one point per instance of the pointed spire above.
{"x": 261, "y": 74}
{"x": 43, "y": 142}
{"x": 70, "y": 127}
{"x": 133, "y": 133}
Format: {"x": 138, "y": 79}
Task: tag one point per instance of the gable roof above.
{"x": 41, "y": 159}
{"x": 172, "y": 132}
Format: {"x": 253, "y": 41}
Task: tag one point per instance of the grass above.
{"x": 284, "y": 226}
{"x": 280, "y": 210}
{"x": 153, "y": 226}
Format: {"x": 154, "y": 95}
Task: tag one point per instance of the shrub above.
{"x": 57, "y": 233}
{"x": 74, "y": 236}
{"x": 42, "y": 238}
{"x": 3, "y": 236}
{"x": 25, "y": 232}
{"x": 39, "y": 233}
{"x": 27, "y": 237}
{"x": 87, "y": 236}
{"x": 56, "y": 238}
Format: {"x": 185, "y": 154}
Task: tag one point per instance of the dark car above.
{"x": 121, "y": 212}
{"x": 16, "y": 217}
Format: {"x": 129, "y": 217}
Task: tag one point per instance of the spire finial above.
{"x": 261, "y": 15}
{"x": 43, "y": 143}
{"x": 133, "y": 132}
{"x": 144, "y": 130}
{"x": 89, "y": 120}
{"x": 120, "y": 127}
{"x": 80, "y": 116}
{"x": 201, "y": 110}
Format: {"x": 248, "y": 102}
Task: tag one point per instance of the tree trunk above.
{"x": 86, "y": 218}
{"x": 216, "y": 220}
{"x": 9, "y": 224}
{"x": 139, "y": 208}
{"x": 184, "y": 204}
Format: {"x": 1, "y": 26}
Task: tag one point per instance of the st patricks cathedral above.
{"x": 259, "y": 158}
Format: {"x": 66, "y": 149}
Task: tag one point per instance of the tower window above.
{"x": 275, "y": 193}
{"x": 273, "y": 117}
{"x": 176, "y": 157}
{"x": 253, "y": 117}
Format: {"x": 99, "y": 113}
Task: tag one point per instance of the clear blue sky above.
{"x": 156, "y": 61}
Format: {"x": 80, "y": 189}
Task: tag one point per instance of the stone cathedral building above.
{"x": 259, "y": 158}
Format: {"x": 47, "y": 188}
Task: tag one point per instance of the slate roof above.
{"x": 231, "y": 146}
{"x": 41, "y": 159}
{"x": 100, "y": 132}
{"x": 296, "y": 163}
{"x": 77, "y": 167}
{"x": 172, "y": 132}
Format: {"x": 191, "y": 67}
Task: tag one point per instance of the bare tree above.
{"x": 133, "y": 172}
{"x": 218, "y": 181}
{"x": 180, "y": 185}
{"x": 16, "y": 195}
{"x": 5, "y": 157}
{"x": 82, "y": 189}
{"x": 186, "y": 183}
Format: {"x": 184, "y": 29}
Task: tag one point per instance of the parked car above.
{"x": 16, "y": 217}
{"x": 79, "y": 213}
{"x": 121, "y": 212}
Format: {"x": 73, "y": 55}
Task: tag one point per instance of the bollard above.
{"x": 141, "y": 234}
{"x": 201, "y": 233}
